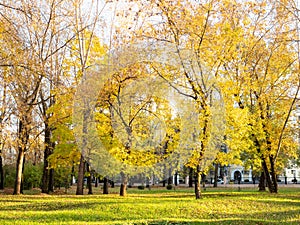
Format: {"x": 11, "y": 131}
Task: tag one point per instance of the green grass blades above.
{"x": 156, "y": 207}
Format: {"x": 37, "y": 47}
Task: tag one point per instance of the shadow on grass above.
{"x": 220, "y": 222}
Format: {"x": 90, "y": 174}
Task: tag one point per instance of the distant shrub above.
{"x": 62, "y": 177}
{"x": 141, "y": 187}
{"x": 32, "y": 175}
{"x": 246, "y": 180}
{"x": 9, "y": 175}
{"x": 169, "y": 186}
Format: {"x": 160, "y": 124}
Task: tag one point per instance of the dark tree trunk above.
{"x": 191, "y": 175}
{"x": 105, "y": 186}
{"x": 89, "y": 179}
{"x": 198, "y": 183}
{"x": 216, "y": 175}
{"x": 170, "y": 180}
{"x": 80, "y": 181}
{"x": 96, "y": 181}
{"x": 176, "y": 179}
{"x": 1, "y": 173}
{"x": 262, "y": 182}
{"x": 270, "y": 184}
{"x": 51, "y": 181}
{"x": 123, "y": 184}
{"x": 72, "y": 175}
{"x": 203, "y": 178}
{"x": 273, "y": 175}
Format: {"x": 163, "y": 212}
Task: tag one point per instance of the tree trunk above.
{"x": 112, "y": 183}
{"x": 96, "y": 181}
{"x": 123, "y": 184}
{"x": 203, "y": 178}
{"x": 216, "y": 175}
{"x": 198, "y": 183}
{"x": 23, "y": 136}
{"x": 80, "y": 181}
{"x": 72, "y": 176}
{"x": 270, "y": 184}
{"x": 51, "y": 181}
{"x": 19, "y": 172}
{"x": 176, "y": 179}
{"x": 89, "y": 179}
{"x": 191, "y": 175}
{"x": 170, "y": 177}
{"x": 262, "y": 183}
{"x": 1, "y": 173}
{"x": 105, "y": 186}
{"x": 170, "y": 180}
{"x": 47, "y": 152}
{"x": 273, "y": 174}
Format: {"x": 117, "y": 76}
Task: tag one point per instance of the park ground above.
{"x": 158, "y": 206}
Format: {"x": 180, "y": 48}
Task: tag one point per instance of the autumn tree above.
{"x": 6, "y": 106}
{"x": 24, "y": 82}
{"x": 86, "y": 44}
{"x": 188, "y": 27}
{"x": 261, "y": 83}
{"x": 134, "y": 124}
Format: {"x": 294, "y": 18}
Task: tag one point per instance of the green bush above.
{"x": 62, "y": 177}
{"x": 32, "y": 175}
{"x": 9, "y": 175}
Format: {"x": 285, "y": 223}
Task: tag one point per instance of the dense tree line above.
{"x": 233, "y": 67}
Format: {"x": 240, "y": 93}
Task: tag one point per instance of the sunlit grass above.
{"x": 158, "y": 206}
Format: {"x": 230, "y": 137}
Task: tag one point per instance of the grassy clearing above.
{"x": 218, "y": 206}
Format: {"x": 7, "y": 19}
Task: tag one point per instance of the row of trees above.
{"x": 219, "y": 72}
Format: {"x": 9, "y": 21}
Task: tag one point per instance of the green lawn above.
{"x": 218, "y": 206}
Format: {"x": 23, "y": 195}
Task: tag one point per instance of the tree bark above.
{"x": 19, "y": 172}
{"x": 262, "y": 182}
{"x": 89, "y": 179}
{"x": 96, "y": 181}
{"x": 273, "y": 174}
{"x": 51, "y": 181}
{"x": 105, "y": 186}
{"x": 112, "y": 183}
{"x": 170, "y": 180}
{"x": 72, "y": 175}
{"x": 123, "y": 184}
{"x": 80, "y": 181}
{"x": 198, "y": 183}
{"x": 216, "y": 175}
{"x": 23, "y": 136}
{"x": 1, "y": 173}
{"x": 191, "y": 175}
{"x": 270, "y": 184}
{"x": 47, "y": 152}
{"x": 203, "y": 178}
